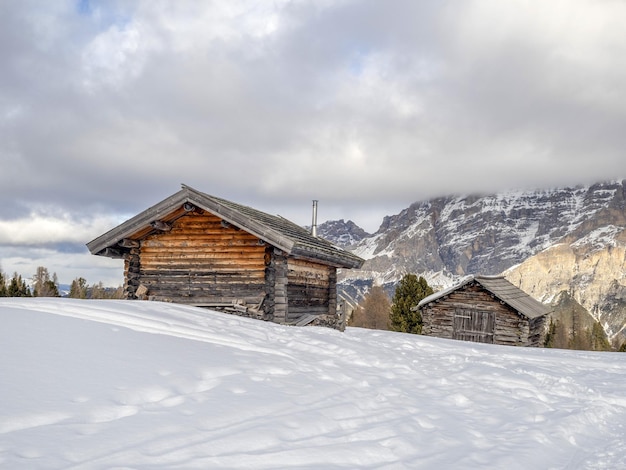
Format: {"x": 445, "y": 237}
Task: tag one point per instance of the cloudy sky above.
{"x": 106, "y": 107}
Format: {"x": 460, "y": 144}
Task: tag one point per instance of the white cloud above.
{"x": 43, "y": 229}
{"x": 117, "y": 56}
{"x": 113, "y": 57}
{"x": 364, "y": 105}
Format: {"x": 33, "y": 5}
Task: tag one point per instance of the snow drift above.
{"x": 145, "y": 385}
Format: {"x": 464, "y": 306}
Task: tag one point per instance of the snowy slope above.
{"x": 145, "y": 385}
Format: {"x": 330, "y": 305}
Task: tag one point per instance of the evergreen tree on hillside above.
{"x": 557, "y": 336}
{"x": 599, "y": 340}
{"x": 51, "y": 289}
{"x": 13, "y": 287}
{"x": 548, "y": 342}
{"x": 17, "y": 287}
{"x": 3, "y": 285}
{"x": 410, "y": 291}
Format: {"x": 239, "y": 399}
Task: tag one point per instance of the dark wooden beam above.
{"x": 160, "y": 225}
{"x": 112, "y": 253}
{"x": 128, "y": 243}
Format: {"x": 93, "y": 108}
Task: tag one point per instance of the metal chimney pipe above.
{"x": 314, "y": 221}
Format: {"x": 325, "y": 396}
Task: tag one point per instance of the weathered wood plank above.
{"x": 486, "y": 319}
{"x": 201, "y": 261}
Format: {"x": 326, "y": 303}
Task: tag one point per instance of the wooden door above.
{"x": 474, "y": 325}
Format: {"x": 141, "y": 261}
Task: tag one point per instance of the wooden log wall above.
{"x": 509, "y": 328}
{"x": 132, "y": 278}
{"x": 202, "y": 260}
{"x": 538, "y": 329}
{"x": 308, "y": 288}
{"x": 205, "y": 262}
{"x": 276, "y": 306}
{"x": 332, "y": 293}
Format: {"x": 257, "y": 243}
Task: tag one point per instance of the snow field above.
{"x": 146, "y": 385}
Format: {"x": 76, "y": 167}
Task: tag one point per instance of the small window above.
{"x": 474, "y": 325}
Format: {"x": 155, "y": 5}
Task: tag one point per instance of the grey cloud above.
{"x": 365, "y": 105}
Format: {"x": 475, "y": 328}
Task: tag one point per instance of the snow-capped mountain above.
{"x": 342, "y": 233}
{"x": 449, "y": 237}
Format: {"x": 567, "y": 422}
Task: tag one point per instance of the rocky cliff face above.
{"x": 591, "y": 269}
{"x": 546, "y": 241}
{"x": 342, "y": 233}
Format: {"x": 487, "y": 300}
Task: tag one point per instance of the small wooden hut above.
{"x": 201, "y": 250}
{"x": 485, "y": 309}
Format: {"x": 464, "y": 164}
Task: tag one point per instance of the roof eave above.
{"x": 106, "y": 244}
{"x": 233, "y": 217}
{"x": 98, "y": 245}
{"x": 340, "y": 260}
{"x": 438, "y": 295}
{"x": 442, "y": 293}
{"x": 545, "y": 310}
{"x": 142, "y": 220}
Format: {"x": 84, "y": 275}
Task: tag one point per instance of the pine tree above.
{"x": 409, "y": 292}
{"x": 13, "y": 288}
{"x": 3, "y": 285}
{"x": 51, "y": 288}
{"x": 599, "y": 340}
{"x": 549, "y": 340}
{"x": 17, "y": 287}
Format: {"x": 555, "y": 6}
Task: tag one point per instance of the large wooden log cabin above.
{"x": 485, "y": 309}
{"x": 201, "y": 250}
